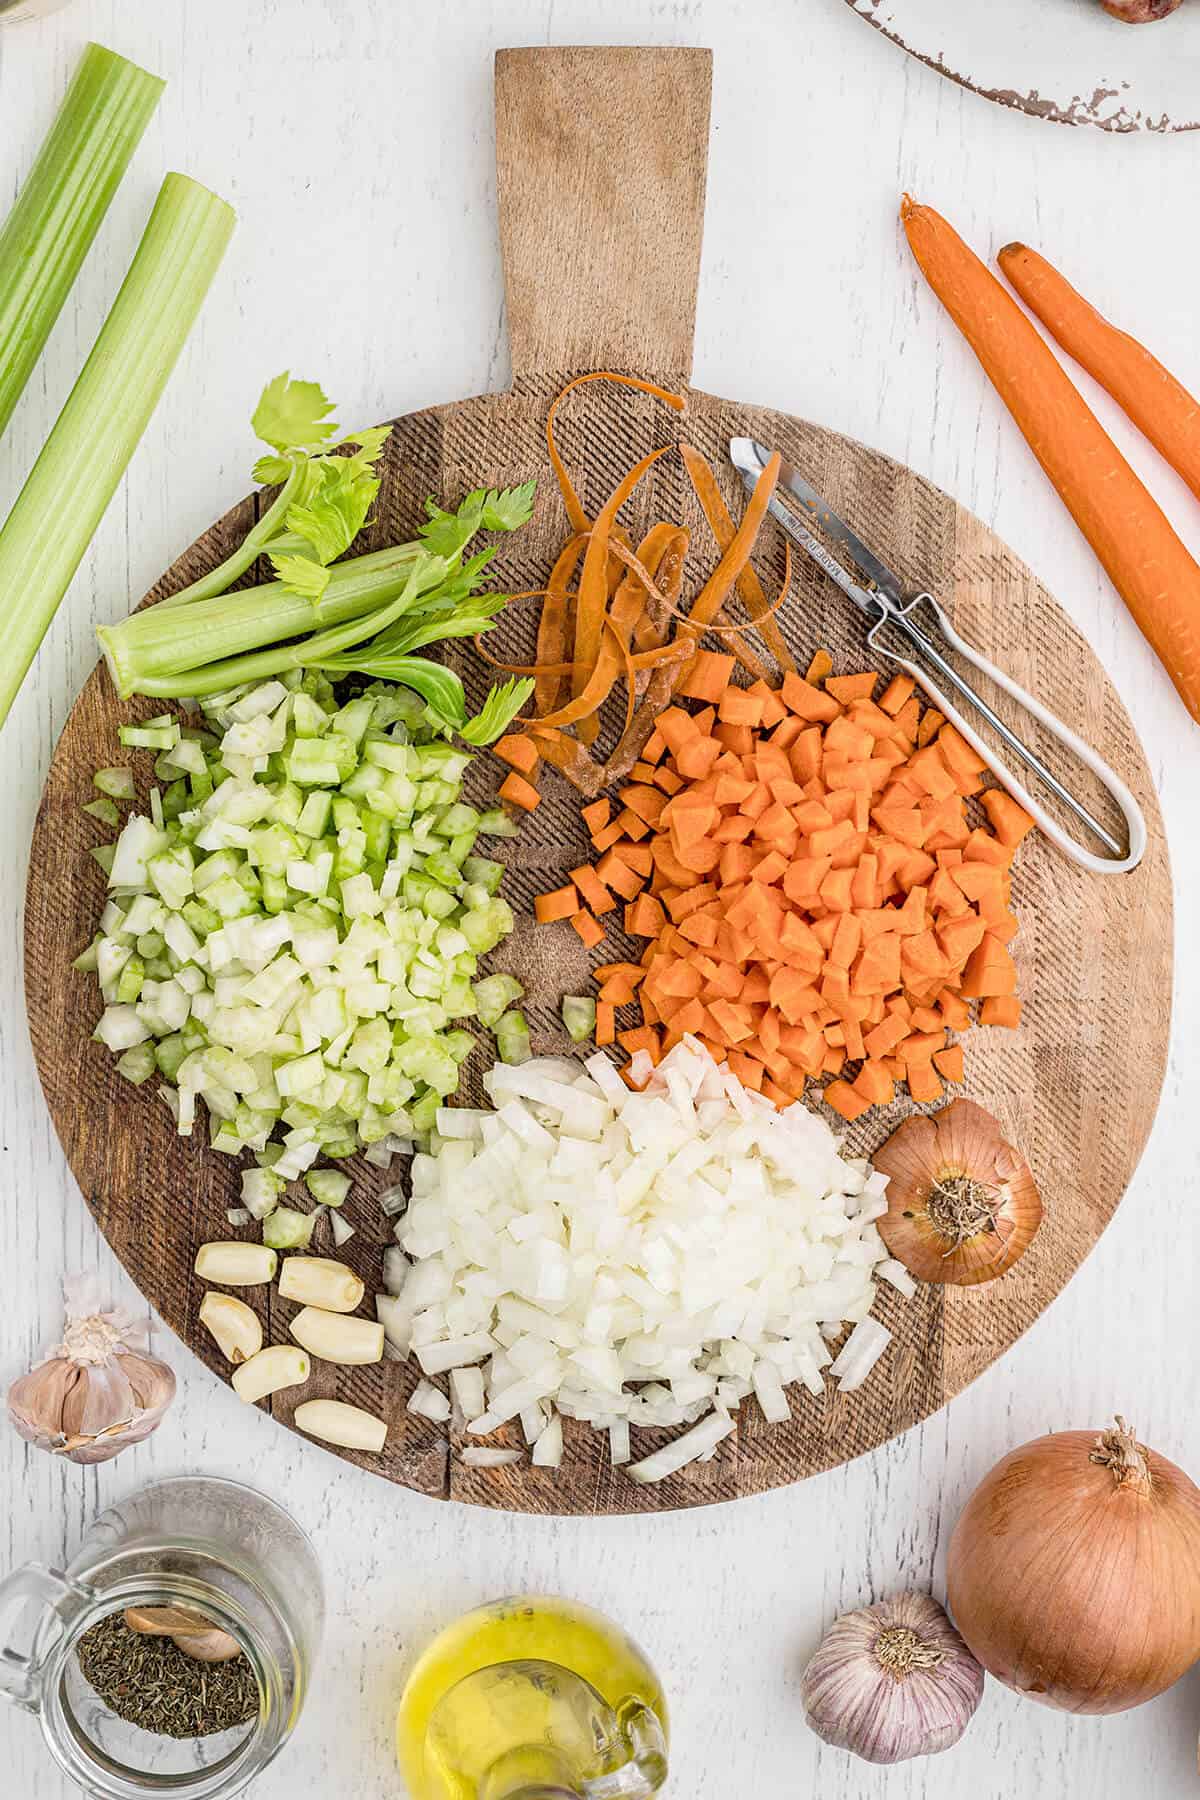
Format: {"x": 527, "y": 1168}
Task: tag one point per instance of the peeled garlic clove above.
{"x": 337, "y": 1422}
{"x": 234, "y": 1326}
{"x": 283, "y": 1365}
{"x": 963, "y": 1206}
{"x": 892, "y": 1681}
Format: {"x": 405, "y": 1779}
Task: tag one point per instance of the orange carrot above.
{"x": 1144, "y": 558}
{"x": 1159, "y": 405}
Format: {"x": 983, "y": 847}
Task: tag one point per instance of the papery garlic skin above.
{"x": 99, "y": 1390}
{"x": 892, "y": 1681}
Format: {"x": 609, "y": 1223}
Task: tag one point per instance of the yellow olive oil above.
{"x": 548, "y": 1674}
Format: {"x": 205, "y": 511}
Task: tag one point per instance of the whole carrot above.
{"x": 1147, "y": 563}
{"x": 1159, "y": 405}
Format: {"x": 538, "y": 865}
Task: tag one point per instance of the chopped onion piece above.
{"x": 859, "y": 1354}
{"x": 689, "y": 1448}
{"x": 895, "y": 1272}
{"x": 547, "y": 1451}
{"x": 477, "y": 1458}
{"x": 428, "y": 1403}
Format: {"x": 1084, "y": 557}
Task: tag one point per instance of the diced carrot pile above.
{"x": 814, "y": 899}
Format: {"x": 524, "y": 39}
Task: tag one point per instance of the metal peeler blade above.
{"x": 882, "y": 597}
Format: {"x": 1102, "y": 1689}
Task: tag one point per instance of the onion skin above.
{"x": 1075, "y": 1585}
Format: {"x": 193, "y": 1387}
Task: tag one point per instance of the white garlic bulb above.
{"x": 892, "y": 1681}
{"x": 96, "y": 1392}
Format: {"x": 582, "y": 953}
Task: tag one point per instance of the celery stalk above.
{"x": 159, "y": 642}
{"x": 58, "y": 211}
{"x": 216, "y": 677}
{"x": 74, "y": 478}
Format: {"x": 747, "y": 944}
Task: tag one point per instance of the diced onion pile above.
{"x": 632, "y": 1258}
{"x": 293, "y": 932}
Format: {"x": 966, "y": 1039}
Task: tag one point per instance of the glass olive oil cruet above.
{"x": 533, "y": 1699}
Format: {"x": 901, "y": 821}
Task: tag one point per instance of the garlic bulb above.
{"x": 96, "y": 1392}
{"x": 963, "y": 1206}
{"x": 892, "y": 1681}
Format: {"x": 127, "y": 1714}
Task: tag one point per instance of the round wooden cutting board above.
{"x": 602, "y": 166}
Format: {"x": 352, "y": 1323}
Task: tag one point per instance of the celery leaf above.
{"x": 338, "y": 510}
{"x": 507, "y": 509}
{"x": 497, "y": 712}
{"x": 293, "y": 415}
{"x": 301, "y": 575}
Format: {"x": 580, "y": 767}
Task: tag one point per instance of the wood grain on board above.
{"x": 1077, "y": 1085}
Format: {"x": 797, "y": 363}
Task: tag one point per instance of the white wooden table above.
{"x": 355, "y": 142}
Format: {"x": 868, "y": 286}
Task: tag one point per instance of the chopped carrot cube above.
{"x": 519, "y": 792}
{"x": 595, "y": 895}
{"x": 560, "y": 903}
{"x": 518, "y": 752}
{"x": 590, "y": 930}
{"x": 843, "y": 1099}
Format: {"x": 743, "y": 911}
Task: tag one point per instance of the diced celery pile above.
{"x": 293, "y": 933}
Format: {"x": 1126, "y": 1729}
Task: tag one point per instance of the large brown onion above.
{"x": 1074, "y": 1571}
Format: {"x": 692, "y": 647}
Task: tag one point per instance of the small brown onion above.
{"x": 962, "y": 1204}
{"x": 1074, "y": 1571}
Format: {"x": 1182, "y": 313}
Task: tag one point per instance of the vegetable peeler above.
{"x": 881, "y": 597}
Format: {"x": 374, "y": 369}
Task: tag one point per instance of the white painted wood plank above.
{"x": 300, "y": 111}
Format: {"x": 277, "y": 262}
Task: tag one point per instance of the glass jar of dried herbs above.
{"x": 175, "y": 1651}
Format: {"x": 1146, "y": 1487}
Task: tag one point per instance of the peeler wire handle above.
{"x": 1116, "y": 864}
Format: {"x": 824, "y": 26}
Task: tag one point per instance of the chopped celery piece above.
{"x": 61, "y": 504}
{"x": 104, "y": 810}
{"x": 137, "y": 1064}
{"x": 328, "y": 1187}
{"x": 130, "y": 980}
{"x": 261, "y": 1189}
{"x": 104, "y": 855}
{"x": 116, "y": 782}
{"x": 153, "y": 735}
{"x": 512, "y": 1038}
{"x": 579, "y": 1017}
{"x": 287, "y": 1229}
{"x": 85, "y": 962}
{"x": 496, "y": 823}
{"x": 62, "y": 202}
{"x": 484, "y": 873}
{"x": 494, "y": 995}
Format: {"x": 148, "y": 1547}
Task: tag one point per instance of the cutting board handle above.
{"x": 601, "y": 158}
